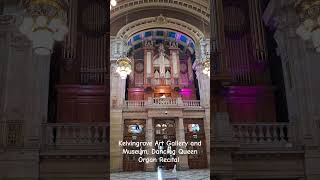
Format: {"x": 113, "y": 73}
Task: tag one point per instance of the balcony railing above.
{"x": 134, "y": 104}
{"x": 191, "y": 103}
{"x": 164, "y": 102}
{"x": 75, "y": 135}
{"x": 275, "y": 134}
{"x": 156, "y": 102}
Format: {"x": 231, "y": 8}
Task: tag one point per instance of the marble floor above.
{"x": 165, "y": 175}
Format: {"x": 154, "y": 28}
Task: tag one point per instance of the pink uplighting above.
{"x": 185, "y": 92}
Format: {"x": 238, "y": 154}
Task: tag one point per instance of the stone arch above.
{"x": 161, "y": 22}
{"x": 197, "y": 8}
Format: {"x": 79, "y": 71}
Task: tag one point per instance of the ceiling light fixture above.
{"x": 112, "y": 3}
{"x": 206, "y": 65}
{"x": 124, "y": 67}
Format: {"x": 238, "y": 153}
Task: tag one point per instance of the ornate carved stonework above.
{"x": 196, "y": 8}
{"x": 19, "y": 41}
{"x": 152, "y": 22}
{"x": 161, "y": 19}
{"x": 165, "y": 113}
{"x": 7, "y": 19}
{"x": 148, "y": 44}
{"x": 173, "y": 44}
{"x": 139, "y": 67}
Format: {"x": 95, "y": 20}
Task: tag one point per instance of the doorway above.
{"x": 194, "y": 129}
{"x": 165, "y": 130}
{"x": 134, "y": 130}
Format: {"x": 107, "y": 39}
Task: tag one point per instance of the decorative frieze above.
{"x": 160, "y": 113}
{"x": 171, "y": 23}
{"x": 196, "y": 8}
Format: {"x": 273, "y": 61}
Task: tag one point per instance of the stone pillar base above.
{"x": 150, "y": 167}
{"x": 183, "y": 163}
{"x": 116, "y": 163}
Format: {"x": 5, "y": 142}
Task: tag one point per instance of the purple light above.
{"x": 178, "y": 35}
{"x": 185, "y": 92}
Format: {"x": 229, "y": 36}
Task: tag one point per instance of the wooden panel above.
{"x": 196, "y": 161}
{"x": 136, "y": 93}
{"x": 82, "y": 103}
{"x": 130, "y": 162}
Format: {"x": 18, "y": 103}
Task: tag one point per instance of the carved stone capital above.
{"x": 148, "y": 44}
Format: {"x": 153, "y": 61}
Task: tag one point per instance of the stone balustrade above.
{"x": 164, "y": 102}
{"x": 80, "y": 135}
{"x": 156, "y": 102}
{"x": 275, "y": 133}
{"x": 134, "y": 104}
{"x": 191, "y": 103}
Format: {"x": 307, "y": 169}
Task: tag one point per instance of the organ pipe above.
{"x": 93, "y": 49}
{"x": 258, "y": 40}
{"x": 69, "y": 46}
{"x": 218, "y": 34}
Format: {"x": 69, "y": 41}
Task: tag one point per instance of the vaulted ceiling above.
{"x": 193, "y": 12}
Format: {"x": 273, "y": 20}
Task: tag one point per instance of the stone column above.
{"x": 19, "y": 102}
{"x": 175, "y": 62}
{"x": 203, "y": 83}
{"x": 148, "y": 54}
{"x": 116, "y": 135}
{"x": 183, "y": 163}
{"x": 116, "y": 121}
{"x": 4, "y": 53}
{"x": 44, "y": 79}
{"x": 150, "y": 138}
{"x": 190, "y": 73}
{"x": 207, "y": 132}
{"x": 39, "y": 91}
{"x": 300, "y": 62}
{"x": 223, "y": 145}
{"x": 118, "y": 87}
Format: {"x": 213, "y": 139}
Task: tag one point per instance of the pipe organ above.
{"x": 241, "y": 42}
{"x": 162, "y": 65}
{"x": 83, "y": 64}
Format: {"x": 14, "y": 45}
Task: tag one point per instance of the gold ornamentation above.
{"x": 206, "y": 66}
{"x": 48, "y": 8}
{"x": 309, "y": 29}
{"x": 161, "y": 20}
{"x": 124, "y": 67}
